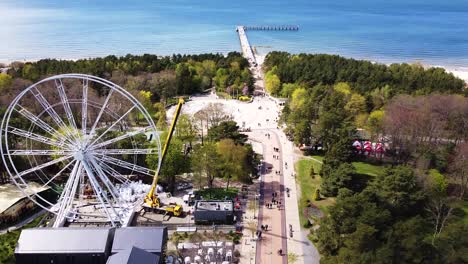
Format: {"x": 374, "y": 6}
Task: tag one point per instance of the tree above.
{"x": 374, "y": 122}
{"x": 185, "y": 130}
{"x": 272, "y": 83}
{"x": 215, "y": 114}
{"x": 356, "y": 104}
{"x": 233, "y": 160}
{"x": 292, "y": 257}
{"x": 205, "y": 163}
{"x": 227, "y": 130}
{"x": 343, "y": 88}
{"x": 380, "y": 96}
{"x": 5, "y": 81}
{"x": 337, "y": 178}
{"x": 397, "y": 188}
{"x": 174, "y": 163}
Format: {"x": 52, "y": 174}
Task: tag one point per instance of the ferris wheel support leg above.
{"x": 104, "y": 179}
{"x": 99, "y": 193}
{"x": 66, "y": 198}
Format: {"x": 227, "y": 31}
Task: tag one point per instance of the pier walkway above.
{"x": 245, "y": 46}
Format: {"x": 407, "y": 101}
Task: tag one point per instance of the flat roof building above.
{"x": 98, "y": 245}
{"x": 64, "y": 245}
{"x": 149, "y": 239}
{"x": 133, "y": 255}
{"x": 214, "y": 212}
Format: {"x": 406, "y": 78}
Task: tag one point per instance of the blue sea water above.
{"x": 429, "y": 31}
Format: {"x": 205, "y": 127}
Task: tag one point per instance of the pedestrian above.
{"x": 266, "y": 227}
{"x": 262, "y": 227}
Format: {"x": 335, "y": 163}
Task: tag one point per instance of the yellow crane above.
{"x": 152, "y": 199}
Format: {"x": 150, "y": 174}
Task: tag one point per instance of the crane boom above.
{"x": 151, "y": 199}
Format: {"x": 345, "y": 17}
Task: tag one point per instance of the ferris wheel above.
{"x": 85, "y": 139}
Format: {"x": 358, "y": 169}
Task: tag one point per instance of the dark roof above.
{"x": 133, "y": 255}
{"x": 151, "y": 239}
{"x": 63, "y": 240}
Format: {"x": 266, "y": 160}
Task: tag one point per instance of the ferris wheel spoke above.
{"x": 38, "y": 122}
{"x": 42, "y": 166}
{"x": 122, "y": 137}
{"x": 38, "y": 152}
{"x": 112, "y": 172}
{"x": 84, "y": 106}
{"x": 100, "y": 193}
{"x": 104, "y": 106}
{"x": 58, "y": 174}
{"x": 36, "y": 137}
{"x": 65, "y": 103}
{"x": 113, "y": 124}
{"x": 125, "y": 151}
{"x": 67, "y": 197}
{"x": 50, "y": 110}
{"x": 103, "y": 177}
{"x": 127, "y": 165}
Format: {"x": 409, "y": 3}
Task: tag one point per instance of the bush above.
{"x": 244, "y": 98}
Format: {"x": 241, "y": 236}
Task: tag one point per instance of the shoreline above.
{"x": 460, "y": 71}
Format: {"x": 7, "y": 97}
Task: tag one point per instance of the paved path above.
{"x": 275, "y": 237}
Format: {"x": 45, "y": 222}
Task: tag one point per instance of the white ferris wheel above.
{"x": 85, "y": 138}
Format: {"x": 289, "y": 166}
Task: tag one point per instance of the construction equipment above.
{"x": 152, "y": 200}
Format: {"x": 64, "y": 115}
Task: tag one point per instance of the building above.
{"x": 214, "y": 212}
{"x": 64, "y": 245}
{"x": 13, "y": 202}
{"x": 133, "y": 255}
{"x": 149, "y": 239}
{"x": 98, "y": 245}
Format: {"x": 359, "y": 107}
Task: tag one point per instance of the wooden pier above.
{"x": 245, "y": 45}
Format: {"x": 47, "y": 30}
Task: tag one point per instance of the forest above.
{"x": 163, "y": 76}
{"x": 415, "y": 209}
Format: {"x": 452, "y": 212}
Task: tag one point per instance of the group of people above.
{"x": 274, "y": 201}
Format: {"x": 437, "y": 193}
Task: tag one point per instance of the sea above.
{"x": 431, "y": 32}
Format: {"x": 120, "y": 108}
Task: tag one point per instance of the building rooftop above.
{"x": 214, "y": 205}
{"x": 151, "y": 239}
{"x": 64, "y": 240}
{"x": 133, "y": 255}
{"x": 11, "y": 194}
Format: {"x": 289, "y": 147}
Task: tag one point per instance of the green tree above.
{"x": 356, "y": 104}
{"x": 174, "y": 163}
{"x": 337, "y": 178}
{"x": 5, "y": 81}
{"x": 227, "y": 130}
{"x": 232, "y": 160}
{"x": 374, "y": 122}
{"x": 205, "y": 162}
{"x": 185, "y": 129}
{"x": 398, "y": 189}
{"x": 272, "y": 83}
{"x": 343, "y": 88}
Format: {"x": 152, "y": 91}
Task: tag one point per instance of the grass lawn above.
{"x": 218, "y": 193}
{"x": 309, "y": 185}
{"x": 368, "y": 169}
{"x": 8, "y": 242}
